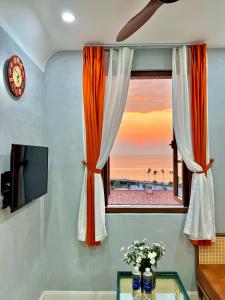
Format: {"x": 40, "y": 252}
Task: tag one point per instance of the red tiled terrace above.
{"x": 129, "y": 197}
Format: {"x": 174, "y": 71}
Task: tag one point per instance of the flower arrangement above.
{"x": 143, "y": 255}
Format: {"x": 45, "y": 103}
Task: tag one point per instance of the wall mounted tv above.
{"x": 27, "y": 179}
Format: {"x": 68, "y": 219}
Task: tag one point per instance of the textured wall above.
{"x": 216, "y": 90}
{"x": 152, "y": 59}
{"x": 72, "y": 266}
{"x": 21, "y": 233}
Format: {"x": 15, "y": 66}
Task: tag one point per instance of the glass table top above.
{"x": 168, "y": 287}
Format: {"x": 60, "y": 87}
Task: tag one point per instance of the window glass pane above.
{"x": 141, "y": 161}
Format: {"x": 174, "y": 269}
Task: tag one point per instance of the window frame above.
{"x": 186, "y": 174}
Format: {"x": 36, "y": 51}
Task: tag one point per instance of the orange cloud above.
{"x": 146, "y": 95}
{"x": 144, "y": 128}
{"x": 138, "y": 99}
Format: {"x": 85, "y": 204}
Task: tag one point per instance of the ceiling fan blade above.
{"x": 168, "y": 1}
{"x": 139, "y": 20}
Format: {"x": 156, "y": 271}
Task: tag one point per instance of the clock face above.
{"x": 16, "y": 76}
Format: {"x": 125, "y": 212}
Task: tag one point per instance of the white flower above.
{"x": 139, "y": 251}
{"x": 150, "y": 255}
{"x": 152, "y": 261}
{"x": 138, "y": 260}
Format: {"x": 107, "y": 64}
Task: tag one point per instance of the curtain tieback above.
{"x": 91, "y": 168}
{"x": 207, "y": 167}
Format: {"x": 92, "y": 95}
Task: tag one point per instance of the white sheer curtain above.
{"x": 118, "y": 77}
{"x": 200, "y": 222}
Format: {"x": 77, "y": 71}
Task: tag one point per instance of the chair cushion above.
{"x": 212, "y": 280}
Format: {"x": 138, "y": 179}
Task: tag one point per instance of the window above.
{"x": 145, "y": 171}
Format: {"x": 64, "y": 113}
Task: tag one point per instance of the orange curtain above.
{"x": 93, "y": 97}
{"x": 198, "y": 98}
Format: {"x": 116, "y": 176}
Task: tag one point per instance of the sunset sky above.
{"x": 147, "y": 122}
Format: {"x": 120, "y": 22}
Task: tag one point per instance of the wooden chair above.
{"x": 210, "y": 270}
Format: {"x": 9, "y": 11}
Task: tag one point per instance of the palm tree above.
{"x": 155, "y": 182}
{"x": 163, "y": 173}
{"x": 155, "y": 173}
{"x": 149, "y": 172}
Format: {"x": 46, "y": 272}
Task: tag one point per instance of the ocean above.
{"x": 136, "y": 167}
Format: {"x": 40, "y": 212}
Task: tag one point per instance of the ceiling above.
{"x": 38, "y": 28}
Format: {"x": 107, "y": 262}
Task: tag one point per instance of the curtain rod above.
{"x": 144, "y": 46}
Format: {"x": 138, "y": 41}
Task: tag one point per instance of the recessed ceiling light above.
{"x": 68, "y": 17}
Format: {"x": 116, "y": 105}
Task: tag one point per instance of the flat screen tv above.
{"x": 28, "y": 177}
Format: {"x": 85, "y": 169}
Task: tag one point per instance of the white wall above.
{"x": 217, "y": 129}
{"x": 21, "y": 233}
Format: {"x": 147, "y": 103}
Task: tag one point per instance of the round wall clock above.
{"x": 16, "y": 76}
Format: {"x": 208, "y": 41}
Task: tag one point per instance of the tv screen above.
{"x": 29, "y": 167}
